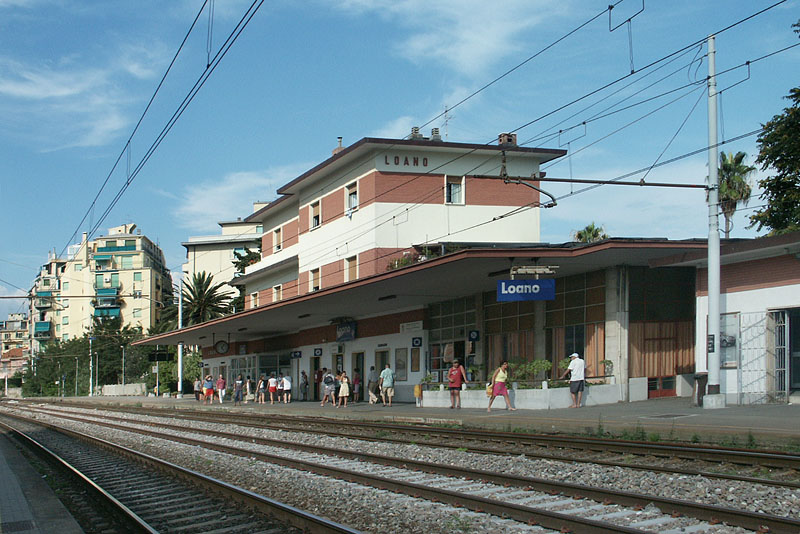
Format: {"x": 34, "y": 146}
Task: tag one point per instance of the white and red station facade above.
{"x": 390, "y": 251}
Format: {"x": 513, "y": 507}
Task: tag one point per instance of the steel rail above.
{"x": 125, "y": 514}
{"x": 712, "y": 513}
{"x": 283, "y": 512}
{"x": 260, "y": 422}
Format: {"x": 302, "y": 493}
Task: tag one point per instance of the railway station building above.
{"x": 394, "y": 251}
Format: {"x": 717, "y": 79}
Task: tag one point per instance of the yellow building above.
{"x": 122, "y": 274}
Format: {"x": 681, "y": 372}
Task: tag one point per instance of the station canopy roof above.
{"x": 474, "y": 269}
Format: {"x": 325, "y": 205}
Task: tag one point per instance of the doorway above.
{"x": 316, "y": 376}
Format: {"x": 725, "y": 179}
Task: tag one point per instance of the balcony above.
{"x": 43, "y": 300}
{"x": 41, "y": 330}
{"x": 126, "y": 248}
{"x": 106, "y": 312}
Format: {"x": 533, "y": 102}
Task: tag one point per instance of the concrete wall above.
{"x": 527, "y": 399}
{"x": 118, "y": 390}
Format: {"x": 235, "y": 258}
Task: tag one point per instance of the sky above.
{"x": 75, "y": 78}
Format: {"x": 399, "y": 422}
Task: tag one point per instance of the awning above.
{"x": 106, "y": 291}
{"x": 107, "y": 312}
{"x": 44, "y": 293}
{"x": 102, "y": 257}
{"x": 41, "y": 326}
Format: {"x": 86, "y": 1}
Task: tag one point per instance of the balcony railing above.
{"x": 106, "y": 312}
{"x": 44, "y": 303}
{"x": 41, "y": 330}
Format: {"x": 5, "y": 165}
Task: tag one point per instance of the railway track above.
{"x": 522, "y": 498}
{"x": 147, "y": 494}
{"x": 773, "y": 467}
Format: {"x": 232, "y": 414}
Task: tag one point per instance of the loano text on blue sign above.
{"x": 512, "y": 290}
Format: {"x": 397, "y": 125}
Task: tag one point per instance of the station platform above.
{"x": 664, "y": 419}
{"x": 27, "y": 504}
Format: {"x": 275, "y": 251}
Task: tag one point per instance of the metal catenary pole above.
{"x": 180, "y": 344}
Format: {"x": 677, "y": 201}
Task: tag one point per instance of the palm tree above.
{"x": 590, "y": 234}
{"x": 734, "y": 189}
{"x": 203, "y": 300}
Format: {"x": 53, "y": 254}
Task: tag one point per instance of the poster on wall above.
{"x": 401, "y": 364}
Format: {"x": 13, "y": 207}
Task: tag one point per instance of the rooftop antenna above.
{"x": 447, "y": 118}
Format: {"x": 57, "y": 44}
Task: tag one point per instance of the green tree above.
{"x": 734, "y": 188}
{"x": 779, "y": 150}
{"x": 590, "y": 234}
{"x": 203, "y": 300}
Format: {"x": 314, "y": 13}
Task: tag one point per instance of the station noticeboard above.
{"x": 514, "y": 290}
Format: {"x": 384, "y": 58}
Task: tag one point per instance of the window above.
{"x": 352, "y": 197}
{"x": 137, "y": 313}
{"x": 277, "y": 293}
{"x": 137, "y": 293}
{"x": 65, "y": 303}
{"x": 137, "y": 277}
{"x": 46, "y": 282}
{"x": 65, "y": 319}
{"x": 65, "y": 286}
{"x": 259, "y": 228}
{"x": 314, "y": 279}
{"x": 66, "y": 337}
{"x": 58, "y": 328}
{"x": 728, "y": 339}
{"x": 240, "y": 251}
{"x": 316, "y": 219}
{"x": 454, "y": 190}
{"x": 130, "y": 242}
{"x": 115, "y": 280}
{"x": 351, "y": 266}
{"x": 78, "y": 267}
{"x": 126, "y": 262}
{"x": 98, "y": 280}
{"x": 111, "y": 243}
{"x": 276, "y": 238}
{"x": 254, "y": 299}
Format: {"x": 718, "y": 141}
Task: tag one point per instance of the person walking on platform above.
{"x": 208, "y": 389}
{"x": 287, "y": 389}
{"x": 387, "y": 385}
{"x": 198, "y": 390}
{"x": 329, "y": 385}
{"x": 372, "y": 384}
{"x": 248, "y": 389}
{"x": 221, "y": 388}
{"x": 261, "y": 390}
{"x": 344, "y": 389}
{"x": 303, "y": 386}
{"x": 356, "y": 385}
{"x": 238, "y": 389}
{"x": 280, "y": 388}
{"x": 577, "y": 374}
{"x": 499, "y": 380}
{"x": 455, "y": 377}
{"x": 272, "y": 387}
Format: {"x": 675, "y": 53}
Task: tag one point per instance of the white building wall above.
{"x": 746, "y": 382}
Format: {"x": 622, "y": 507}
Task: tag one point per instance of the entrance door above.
{"x": 315, "y": 368}
{"x": 662, "y": 386}
{"x": 794, "y": 349}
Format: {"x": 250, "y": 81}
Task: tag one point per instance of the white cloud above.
{"x": 397, "y": 128}
{"x": 204, "y": 205}
{"x": 11, "y": 305}
{"x": 467, "y": 36}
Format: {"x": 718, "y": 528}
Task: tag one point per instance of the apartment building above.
{"x": 121, "y": 274}
{"x": 215, "y": 254}
{"x": 16, "y": 344}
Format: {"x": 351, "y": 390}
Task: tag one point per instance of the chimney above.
{"x": 435, "y": 136}
{"x": 507, "y": 139}
{"x": 415, "y": 133}
{"x": 339, "y": 147}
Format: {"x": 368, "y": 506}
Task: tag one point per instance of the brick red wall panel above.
{"x": 333, "y": 206}
{"x": 332, "y": 274}
{"x": 757, "y": 274}
{"x": 266, "y": 244}
{"x": 290, "y": 233}
{"x": 303, "y": 220}
{"x": 493, "y": 192}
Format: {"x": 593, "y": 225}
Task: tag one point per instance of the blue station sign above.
{"x": 511, "y": 290}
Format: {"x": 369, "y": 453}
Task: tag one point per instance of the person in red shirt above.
{"x": 455, "y": 377}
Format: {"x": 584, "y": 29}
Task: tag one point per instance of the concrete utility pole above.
{"x": 123, "y": 364}
{"x": 91, "y": 365}
{"x": 180, "y": 344}
{"x": 713, "y": 398}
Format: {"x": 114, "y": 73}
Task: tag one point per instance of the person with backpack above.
{"x": 329, "y": 387}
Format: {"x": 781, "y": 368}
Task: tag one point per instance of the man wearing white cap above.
{"x": 576, "y": 369}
